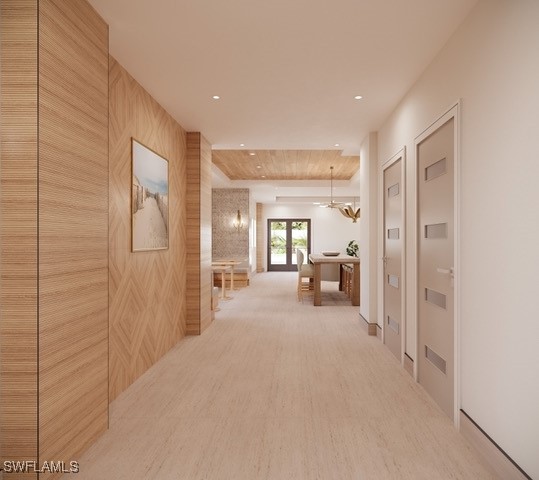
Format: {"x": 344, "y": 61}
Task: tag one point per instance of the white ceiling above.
{"x": 286, "y": 70}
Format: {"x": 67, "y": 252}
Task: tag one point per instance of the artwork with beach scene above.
{"x": 149, "y": 202}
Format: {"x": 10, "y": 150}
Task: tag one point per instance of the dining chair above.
{"x": 304, "y": 271}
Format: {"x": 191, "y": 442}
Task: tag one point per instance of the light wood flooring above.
{"x": 278, "y": 389}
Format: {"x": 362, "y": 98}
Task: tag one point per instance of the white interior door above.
{"x": 436, "y": 319}
{"x": 393, "y": 254}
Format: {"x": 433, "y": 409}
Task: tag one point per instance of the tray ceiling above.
{"x": 285, "y": 164}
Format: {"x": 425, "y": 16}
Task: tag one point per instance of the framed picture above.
{"x": 149, "y": 199}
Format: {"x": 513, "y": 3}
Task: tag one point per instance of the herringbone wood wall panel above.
{"x": 146, "y": 289}
{"x": 18, "y": 300}
{"x": 198, "y": 233}
{"x": 73, "y": 229}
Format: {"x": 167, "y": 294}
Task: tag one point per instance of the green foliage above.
{"x": 299, "y": 242}
{"x": 299, "y": 225}
{"x": 352, "y": 249}
{"x": 278, "y": 244}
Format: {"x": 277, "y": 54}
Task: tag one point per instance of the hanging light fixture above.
{"x": 350, "y": 212}
{"x": 332, "y": 203}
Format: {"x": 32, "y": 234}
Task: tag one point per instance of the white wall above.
{"x": 492, "y": 64}
{"x": 330, "y": 230}
{"x": 368, "y": 184}
{"x": 252, "y": 234}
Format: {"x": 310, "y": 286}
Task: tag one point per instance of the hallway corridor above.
{"x": 278, "y": 389}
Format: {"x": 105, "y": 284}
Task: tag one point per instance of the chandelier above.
{"x": 351, "y": 212}
{"x": 332, "y": 203}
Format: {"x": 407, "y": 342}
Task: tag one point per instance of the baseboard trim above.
{"x": 408, "y": 364}
{"x": 378, "y": 331}
{"x": 499, "y": 462}
{"x": 370, "y": 328}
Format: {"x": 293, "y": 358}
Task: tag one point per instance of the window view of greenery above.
{"x": 279, "y": 242}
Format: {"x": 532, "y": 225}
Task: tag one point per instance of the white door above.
{"x": 435, "y": 183}
{"x": 393, "y": 245}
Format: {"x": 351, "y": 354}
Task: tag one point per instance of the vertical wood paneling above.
{"x": 260, "y": 253}
{"x": 18, "y": 314}
{"x": 73, "y": 228}
{"x": 146, "y": 289}
{"x": 199, "y": 211}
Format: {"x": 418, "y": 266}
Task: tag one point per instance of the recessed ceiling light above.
{"x": 242, "y": 144}
{"x": 316, "y": 203}
{"x": 259, "y": 166}
{"x": 358, "y": 97}
{"x": 252, "y": 154}
{"x": 263, "y": 176}
{"x": 336, "y": 145}
{"x": 216, "y": 97}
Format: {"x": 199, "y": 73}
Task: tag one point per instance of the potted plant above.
{"x": 352, "y": 249}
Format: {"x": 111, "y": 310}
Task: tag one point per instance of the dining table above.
{"x": 318, "y": 259}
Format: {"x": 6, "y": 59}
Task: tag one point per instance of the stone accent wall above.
{"x": 226, "y": 240}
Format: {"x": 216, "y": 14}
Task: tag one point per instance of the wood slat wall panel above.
{"x": 285, "y": 164}
{"x": 73, "y": 228}
{"x": 193, "y": 234}
{"x": 199, "y": 247}
{"x": 147, "y": 290}
{"x": 18, "y": 200}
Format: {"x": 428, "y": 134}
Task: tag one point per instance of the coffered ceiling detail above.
{"x": 285, "y": 164}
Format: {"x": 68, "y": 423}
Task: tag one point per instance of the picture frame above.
{"x": 149, "y": 199}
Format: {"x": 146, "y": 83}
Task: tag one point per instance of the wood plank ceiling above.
{"x": 285, "y": 164}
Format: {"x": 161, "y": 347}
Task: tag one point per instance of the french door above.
{"x": 285, "y": 236}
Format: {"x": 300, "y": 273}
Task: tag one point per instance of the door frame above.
{"x": 268, "y": 241}
{"x": 452, "y": 112}
{"x": 401, "y": 154}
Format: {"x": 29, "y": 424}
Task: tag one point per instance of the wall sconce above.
{"x": 238, "y": 222}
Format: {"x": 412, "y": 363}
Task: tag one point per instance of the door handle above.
{"x": 448, "y": 271}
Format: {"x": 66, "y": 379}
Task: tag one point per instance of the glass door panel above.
{"x": 285, "y": 236}
{"x": 278, "y": 242}
{"x": 300, "y": 238}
